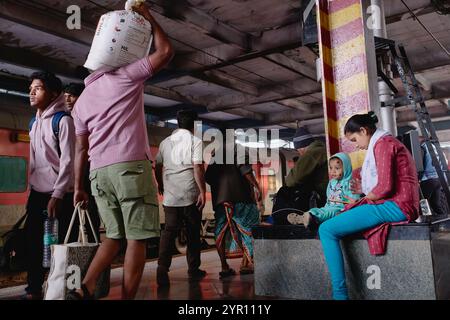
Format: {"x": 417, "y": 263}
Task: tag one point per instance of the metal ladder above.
{"x": 416, "y": 101}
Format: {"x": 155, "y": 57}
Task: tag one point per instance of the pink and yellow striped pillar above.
{"x": 345, "y": 46}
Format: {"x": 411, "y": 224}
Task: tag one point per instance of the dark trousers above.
{"x": 432, "y": 190}
{"x": 34, "y": 234}
{"x": 175, "y": 218}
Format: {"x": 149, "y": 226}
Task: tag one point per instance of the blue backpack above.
{"x": 55, "y": 125}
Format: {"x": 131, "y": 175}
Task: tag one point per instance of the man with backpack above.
{"x": 52, "y": 145}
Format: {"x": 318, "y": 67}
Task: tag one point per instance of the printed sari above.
{"x": 233, "y": 226}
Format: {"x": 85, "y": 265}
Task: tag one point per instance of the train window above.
{"x": 13, "y": 174}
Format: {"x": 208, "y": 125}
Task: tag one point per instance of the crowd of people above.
{"x": 99, "y": 156}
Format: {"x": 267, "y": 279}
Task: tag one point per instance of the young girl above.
{"x": 338, "y": 193}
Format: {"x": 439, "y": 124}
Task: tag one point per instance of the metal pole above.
{"x": 388, "y": 114}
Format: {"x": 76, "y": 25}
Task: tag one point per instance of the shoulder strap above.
{"x": 56, "y": 120}
{"x": 17, "y": 225}
{"x": 55, "y": 126}
{"x": 32, "y": 121}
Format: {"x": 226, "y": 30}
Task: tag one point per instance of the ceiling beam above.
{"x": 296, "y": 104}
{"x": 407, "y": 15}
{"x": 46, "y": 20}
{"x": 283, "y": 36}
{"x": 167, "y": 74}
{"x": 292, "y": 116}
{"x": 182, "y": 11}
{"x": 408, "y": 115}
{"x": 299, "y": 68}
{"x": 29, "y": 59}
{"x": 228, "y": 81}
{"x": 270, "y": 93}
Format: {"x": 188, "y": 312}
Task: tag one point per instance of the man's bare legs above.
{"x": 133, "y": 267}
{"x": 105, "y": 255}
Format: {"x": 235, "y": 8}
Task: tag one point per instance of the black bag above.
{"x": 298, "y": 199}
{"x": 12, "y": 255}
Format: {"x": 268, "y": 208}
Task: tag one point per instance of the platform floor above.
{"x": 239, "y": 287}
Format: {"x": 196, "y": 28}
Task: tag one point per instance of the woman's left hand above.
{"x": 371, "y": 196}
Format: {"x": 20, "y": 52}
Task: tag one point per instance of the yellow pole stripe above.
{"x": 330, "y": 90}
{"x": 357, "y": 158}
{"x": 333, "y": 128}
{"x": 342, "y": 17}
{"x": 347, "y": 51}
{"x": 348, "y": 87}
{"x": 336, "y": 128}
{"x": 324, "y": 22}
{"x": 327, "y": 55}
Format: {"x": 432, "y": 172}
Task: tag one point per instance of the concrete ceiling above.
{"x": 238, "y": 62}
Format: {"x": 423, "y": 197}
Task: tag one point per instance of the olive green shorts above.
{"x": 125, "y": 194}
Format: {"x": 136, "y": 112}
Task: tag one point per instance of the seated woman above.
{"x": 390, "y": 184}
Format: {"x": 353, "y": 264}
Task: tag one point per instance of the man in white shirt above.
{"x": 180, "y": 176}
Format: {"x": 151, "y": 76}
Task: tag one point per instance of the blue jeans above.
{"x": 355, "y": 220}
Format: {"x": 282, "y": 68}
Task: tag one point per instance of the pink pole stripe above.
{"x": 346, "y": 33}
{"x": 352, "y": 105}
{"x": 355, "y": 65}
{"x": 346, "y": 145}
{"x": 337, "y": 5}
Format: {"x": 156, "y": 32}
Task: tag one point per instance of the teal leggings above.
{"x": 355, "y": 220}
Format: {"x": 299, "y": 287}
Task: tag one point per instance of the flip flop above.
{"x": 227, "y": 273}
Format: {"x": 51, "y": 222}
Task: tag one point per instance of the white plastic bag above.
{"x": 121, "y": 38}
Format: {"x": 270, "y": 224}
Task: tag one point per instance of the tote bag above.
{"x": 70, "y": 262}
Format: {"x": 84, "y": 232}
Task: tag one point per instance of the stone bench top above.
{"x": 411, "y": 231}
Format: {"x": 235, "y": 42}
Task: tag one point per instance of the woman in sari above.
{"x": 235, "y": 192}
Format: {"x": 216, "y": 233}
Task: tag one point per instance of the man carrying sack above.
{"x": 110, "y": 124}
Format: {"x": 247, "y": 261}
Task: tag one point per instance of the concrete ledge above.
{"x": 289, "y": 263}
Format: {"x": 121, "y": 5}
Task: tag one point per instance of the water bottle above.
{"x": 50, "y": 237}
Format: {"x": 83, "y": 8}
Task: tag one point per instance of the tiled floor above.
{"x": 211, "y": 287}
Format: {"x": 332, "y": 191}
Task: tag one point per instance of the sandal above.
{"x": 74, "y": 295}
{"x": 227, "y": 273}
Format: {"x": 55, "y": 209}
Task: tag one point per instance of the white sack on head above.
{"x": 122, "y": 37}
